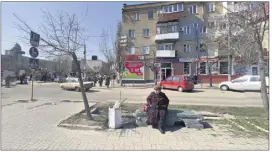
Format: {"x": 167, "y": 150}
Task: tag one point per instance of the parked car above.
{"x": 73, "y": 84}
{"x": 244, "y": 83}
{"x": 179, "y": 82}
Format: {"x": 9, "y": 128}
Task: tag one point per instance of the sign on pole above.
{"x": 34, "y": 39}
{"x": 33, "y": 63}
{"x": 33, "y": 52}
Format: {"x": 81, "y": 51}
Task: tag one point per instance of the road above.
{"x": 134, "y": 95}
{"x": 33, "y": 125}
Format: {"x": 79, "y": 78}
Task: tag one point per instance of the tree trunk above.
{"x": 85, "y": 100}
{"x": 229, "y": 67}
{"x": 261, "y": 65}
{"x": 263, "y": 83}
{"x": 155, "y": 77}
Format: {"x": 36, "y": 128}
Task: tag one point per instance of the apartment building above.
{"x": 179, "y": 36}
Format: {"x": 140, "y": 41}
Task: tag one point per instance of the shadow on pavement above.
{"x": 196, "y": 91}
{"x": 181, "y": 124}
{"x": 91, "y": 91}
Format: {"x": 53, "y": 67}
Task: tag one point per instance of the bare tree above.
{"x": 62, "y": 34}
{"x": 62, "y": 67}
{"x": 120, "y": 52}
{"x": 251, "y": 25}
{"x": 111, "y": 48}
{"x": 209, "y": 59}
{"x": 150, "y": 62}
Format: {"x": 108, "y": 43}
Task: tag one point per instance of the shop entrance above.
{"x": 166, "y": 71}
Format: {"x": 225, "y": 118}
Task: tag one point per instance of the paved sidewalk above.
{"x": 30, "y": 126}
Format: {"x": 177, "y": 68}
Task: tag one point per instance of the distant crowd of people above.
{"x": 100, "y": 79}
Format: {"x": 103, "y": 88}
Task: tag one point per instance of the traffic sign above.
{"x": 34, "y": 39}
{"x": 33, "y": 52}
{"x": 33, "y": 63}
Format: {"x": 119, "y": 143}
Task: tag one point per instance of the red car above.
{"x": 179, "y": 82}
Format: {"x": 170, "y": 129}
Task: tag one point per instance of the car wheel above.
{"x": 224, "y": 88}
{"x": 87, "y": 89}
{"x": 180, "y": 89}
{"x": 77, "y": 89}
{"x": 62, "y": 87}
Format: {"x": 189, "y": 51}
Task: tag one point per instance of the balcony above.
{"x": 167, "y": 36}
{"x": 166, "y": 53}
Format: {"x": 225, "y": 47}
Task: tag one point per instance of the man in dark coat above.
{"x": 195, "y": 78}
{"x": 158, "y": 104}
{"x": 100, "y": 81}
{"x": 8, "y": 79}
{"x": 107, "y": 83}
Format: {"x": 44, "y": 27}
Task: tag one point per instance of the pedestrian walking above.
{"x": 100, "y": 81}
{"x": 107, "y": 83}
{"x": 95, "y": 80}
{"x": 30, "y": 77}
{"x": 195, "y": 78}
{"x": 7, "y": 80}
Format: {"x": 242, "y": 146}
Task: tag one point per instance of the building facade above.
{"x": 13, "y": 60}
{"x": 179, "y": 37}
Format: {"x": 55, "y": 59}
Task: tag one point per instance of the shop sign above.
{"x": 134, "y": 70}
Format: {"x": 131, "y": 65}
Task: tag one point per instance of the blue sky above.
{"x": 100, "y": 15}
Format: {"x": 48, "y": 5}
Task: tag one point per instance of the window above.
{"x": 211, "y": 24}
{"x": 254, "y": 70}
{"x": 188, "y": 78}
{"x": 132, "y": 51}
{"x": 151, "y": 14}
{"x": 187, "y": 29}
{"x": 171, "y": 27}
{"x": 169, "y": 79}
{"x": 211, "y": 7}
{"x": 224, "y": 68}
{"x": 203, "y": 47}
{"x": 146, "y": 32}
{"x": 203, "y": 68}
{"x": 186, "y": 47}
{"x": 195, "y": 25}
{"x": 254, "y": 79}
{"x": 165, "y": 9}
{"x": 223, "y": 26}
{"x": 193, "y": 9}
{"x": 166, "y": 46}
{"x": 146, "y": 50}
{"x": 131, "y": 33}
{"x": 176, "y": 79}
{"x": 175, "y": 8}
{"x": 186, "y": 68}
{"x": 180, "y": 7}
{"x": 170, "y": 8}
{"x": 240, "y": 80}
{"x": 203, "y": 30}
{"x": 137, "y": 16}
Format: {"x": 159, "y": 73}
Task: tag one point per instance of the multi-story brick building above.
{"x": 179, "y": 36}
